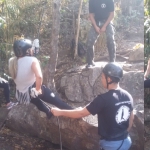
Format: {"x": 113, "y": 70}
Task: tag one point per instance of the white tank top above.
{"x": 25, "y": 76}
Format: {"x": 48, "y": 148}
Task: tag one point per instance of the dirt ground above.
{"x": 10, "y": 140}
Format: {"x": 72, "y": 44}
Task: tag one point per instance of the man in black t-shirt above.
{"x": 114, "y": 109}
{"x": 101, "y": 12}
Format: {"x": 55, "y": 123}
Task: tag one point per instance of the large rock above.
{"x": 77, "y": 134}
{"x": 137, "y": 131}
{"x": 134, "y": 66}
{"x": 3, "y": 116}
{"x": 137, "y": 54}
{"x": 79, "y": 87}
{"x": 83, "y": 85}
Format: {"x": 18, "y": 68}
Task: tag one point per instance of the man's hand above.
{"x": 56, "y": 111}
{"x": 39, "y": 91}
{"x": 97, "y": 29}
{"x": 103, "y": 29}
{"x": 34, "y": 93}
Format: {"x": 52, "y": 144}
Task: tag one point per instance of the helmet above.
{"x": 21, "y": 46}
{"x": 113, "y": 70}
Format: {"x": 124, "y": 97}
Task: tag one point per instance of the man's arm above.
{"x": 147, "y": 70}
{"x": 38, "y": 74}
{"x": 79, "y": 113}
{"x": 130, "y": 121}
{"x": 111, "y": 16}
{"x": 92, "y": 19}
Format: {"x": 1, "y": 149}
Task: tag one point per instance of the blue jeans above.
{"x": 114, "y": 145}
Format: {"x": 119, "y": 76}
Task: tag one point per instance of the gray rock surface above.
{"x": 77, "y": 134}
{"x": 89, "y": 84}
{"x": 137, "y": 55}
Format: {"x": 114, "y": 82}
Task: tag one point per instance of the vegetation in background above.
{"x": 147, "y": 45}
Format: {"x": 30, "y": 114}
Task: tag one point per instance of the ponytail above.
{"x": 13, "y": 67}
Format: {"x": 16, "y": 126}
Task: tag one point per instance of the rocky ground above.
{"x": 147, "y": 136}
{"x": 147, "y": 120}
{"x": 10, "y": 140}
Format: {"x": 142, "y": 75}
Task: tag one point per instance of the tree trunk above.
{"x": 51, "y": 67}
{"x": 77, "y": 31}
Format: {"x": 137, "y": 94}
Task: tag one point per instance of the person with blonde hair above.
{"x": 27, "y": 75}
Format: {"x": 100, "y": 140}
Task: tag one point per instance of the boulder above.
{"x": 89, "y": 84}
{"x": 3, "y": 116}
{"x": 137, "y": 131}
{"x": 137, "y": 54}
{"x": 134, "y": 67}
{"x": 76, "y": 134}
{"x": 80, "y": 86}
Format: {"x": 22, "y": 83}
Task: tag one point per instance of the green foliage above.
{"x": 147, "y": 32}
{"x": 17, "y": 18}
{"x": 126, "y": 20}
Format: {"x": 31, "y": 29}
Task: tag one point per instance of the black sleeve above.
{"x": 131, "y": 99}
{"x": 96, "y": 105}
{"x": 111, "y": 6}
{"x": 91, "y": 6}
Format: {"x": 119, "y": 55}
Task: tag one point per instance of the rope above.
{"x": 60, "y": 139}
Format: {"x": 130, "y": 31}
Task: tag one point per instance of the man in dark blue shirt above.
{"x": 114, "y": 109}
{"x": 101, "y": 12}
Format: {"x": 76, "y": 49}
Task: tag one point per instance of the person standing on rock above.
{"x": 5, "y": 85}
{"x": 114, "y": 109}
{"x": 101, "y": 12}
{"x": 146, "y": 76}
{"x": 26, "y": 72}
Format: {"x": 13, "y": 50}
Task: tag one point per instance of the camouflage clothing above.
{"x": 92, "y": 38}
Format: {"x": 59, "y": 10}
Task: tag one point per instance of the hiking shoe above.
{"x": 11, "y": 104}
